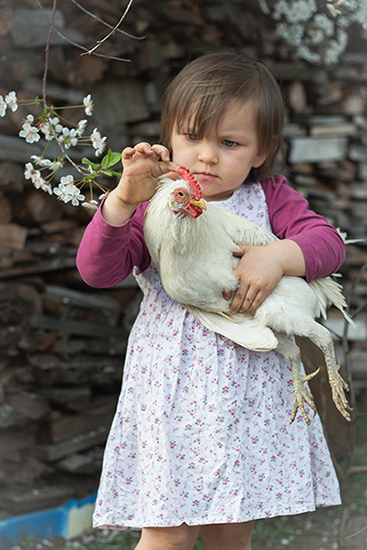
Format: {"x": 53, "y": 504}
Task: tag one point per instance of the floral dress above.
{"x": 202, "y": 431}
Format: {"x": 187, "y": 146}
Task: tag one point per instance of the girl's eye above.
{"x": 192, "y": 137}
{"x": 229, "y": 143}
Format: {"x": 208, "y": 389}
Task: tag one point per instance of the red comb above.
{"x": 193, "y": 183}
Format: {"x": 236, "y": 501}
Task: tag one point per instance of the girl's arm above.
{"x": 309, "y": 247}
{"x": 113, "y": 242}
{"x": 108, "y": 253}
{"x": 290, "y": 217}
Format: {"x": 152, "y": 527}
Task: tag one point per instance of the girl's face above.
{"x": 222, "y": 159}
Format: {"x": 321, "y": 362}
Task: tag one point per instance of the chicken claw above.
{"x": 338, "y": 387}
{"x": 337, "y": 383}
{"x": 301, "y": 394}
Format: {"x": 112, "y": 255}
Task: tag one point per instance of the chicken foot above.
{"x": 301, "y": 394}
{"x": 322, "y": 338}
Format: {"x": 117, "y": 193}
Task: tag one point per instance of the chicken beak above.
{"x": 200, "y": 203}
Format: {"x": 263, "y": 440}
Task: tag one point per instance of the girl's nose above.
{"x": 207, "y": 152}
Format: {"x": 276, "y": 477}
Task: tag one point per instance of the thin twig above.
{"x": 355, "y": 470}
{"x": 44, "y": 79}
{"x": 52, "y": 28}
{"x": 47, "y": 49}
{"x": 86, "y": 50}
{"x": 357, "y": 533}
{"x": 100, "y": 42}
{"x": 104, "y": 22}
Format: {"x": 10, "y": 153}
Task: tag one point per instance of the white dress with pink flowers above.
{"x": 202, "y": 431}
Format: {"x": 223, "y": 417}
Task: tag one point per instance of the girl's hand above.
{"x": 141, "y": 170}
{"x": 142, "y": 167}
{"x": 260, "y": 270}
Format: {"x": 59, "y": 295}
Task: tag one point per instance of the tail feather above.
{"x": 329, "y": 293}
{"x": 244, "y": 332}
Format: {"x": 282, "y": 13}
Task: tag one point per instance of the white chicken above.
{"x": 192, "y": 244}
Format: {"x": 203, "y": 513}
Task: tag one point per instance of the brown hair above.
{"x": 201, "y": 92}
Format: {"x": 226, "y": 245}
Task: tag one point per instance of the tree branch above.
{"x": 112, "y": 32}
{"x": 104, "y": 22}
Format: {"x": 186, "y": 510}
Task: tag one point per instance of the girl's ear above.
{"x": 259, "y": 160}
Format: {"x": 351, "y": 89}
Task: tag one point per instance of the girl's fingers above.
{"x": 162, "y": 152}
{"x": 127, "y": 153}
{"x": 143, "y": 148}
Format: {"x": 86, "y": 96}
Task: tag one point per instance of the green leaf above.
{"x": 112, "y": 173}
{"x": 90, "y": 163}
{"x": 110, "y": 159}
{"x": 115, "y": 158}
{"x": 105, "y": 162}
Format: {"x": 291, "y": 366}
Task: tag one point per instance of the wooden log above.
{"x": 11, "y": 177}
{"x": 6, "y": 21}
{"x": 5, "y": 210}
{"x": 79, "y": 464}
{"x": 60, "y": 426}
{"x": 72, "y": 399}
{"x": 20, "y": 500}
{"x": 56, "y": 451}
{"x": 36, "y": 207}
{"x": 30, "y": 30}
{"x": 313, "y": 150}
{"x": 33, "y": 406}
{"x": 81, "y": 328}
{"x": 17, "y": 439}
{"x": 13, "y": 235}
{"x": 15, "y": 149}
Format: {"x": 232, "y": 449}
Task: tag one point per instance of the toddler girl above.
{"x": 201, "y": 440}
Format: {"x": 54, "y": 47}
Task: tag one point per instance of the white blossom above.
{"x": 29, "y": 133}
{"x": 324, "y": 24}
{"x": 46, "y": 187}
{"x": 81, "y": 127}
{"x": 316, "y": 29}
{"x": 12, "y": 101}
{"x": 29, "y": 118}
{"x": 88, "y": 105}
{"x": 40, "y": 161}
{"x": 98, "y": 142}
{"x": 47, "y": 163}
{"x": 67, "y": 180}
{"x": 3, "y": 106}
{"x": 38, "y": 180}
{"x": 50, "y": 126}
{"x": 91, "y": 204}
{"x": 69, "y": 137}
{"x": 29, "y": 171}
{"x": 66, "y": 191}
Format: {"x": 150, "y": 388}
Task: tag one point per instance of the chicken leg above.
{"x": 301, "y": 394}
{"x": 321, "y": 337}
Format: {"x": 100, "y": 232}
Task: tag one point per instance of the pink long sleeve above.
{"x": 290, "y": 218}
{"x": 107, "y": 254}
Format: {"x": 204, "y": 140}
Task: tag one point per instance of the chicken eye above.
{"x": 180, "y": 194}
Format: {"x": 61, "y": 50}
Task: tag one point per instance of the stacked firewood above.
{"x": 62, "y": 343}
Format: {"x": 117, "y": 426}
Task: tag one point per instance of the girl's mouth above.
{"x": 204, "y": 177}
